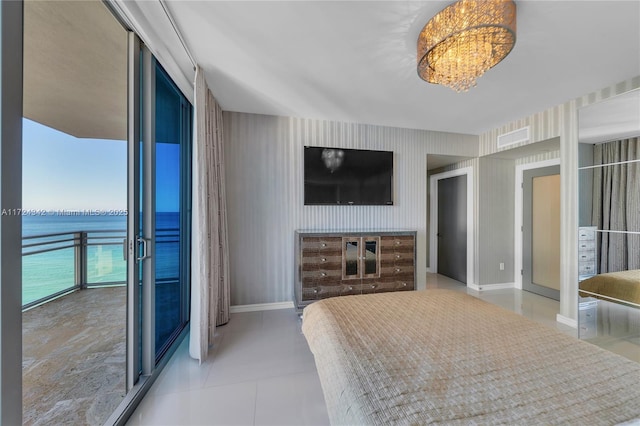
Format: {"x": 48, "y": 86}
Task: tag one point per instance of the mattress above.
{"x": 621, "y": 286}
{"x": 441, "y": 356}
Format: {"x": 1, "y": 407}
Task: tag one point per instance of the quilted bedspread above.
{"x": 441, "y": 356}
{"x": 623, "y": 286}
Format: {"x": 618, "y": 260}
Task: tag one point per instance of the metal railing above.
{"x": 55, "y": 264}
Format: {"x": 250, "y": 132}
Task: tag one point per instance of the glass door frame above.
{"x": 133, "y": 207}
{"x": 141, "y": 217}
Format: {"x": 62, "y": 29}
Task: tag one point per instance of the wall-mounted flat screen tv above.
{"x": 336, "y": 176}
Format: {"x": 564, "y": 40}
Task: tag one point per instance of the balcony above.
{"x": 74, "y": 357}
{"x": 74, "y": 326}
{"x": 74, "y": 321}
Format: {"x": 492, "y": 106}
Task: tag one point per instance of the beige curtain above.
{"x": 616, "y": 204}
{"x": 210, "y": 294}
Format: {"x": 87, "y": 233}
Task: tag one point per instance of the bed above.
{"x": 442, "y": 356}
{"x": 621, "y": 286}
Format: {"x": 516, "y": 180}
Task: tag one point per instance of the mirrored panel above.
{"x": 609, "y": 245}
{"x": 371, "y": 256}
{"x": 350, "y": 257}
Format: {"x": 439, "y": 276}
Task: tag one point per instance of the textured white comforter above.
{"x": 440, "y": 356}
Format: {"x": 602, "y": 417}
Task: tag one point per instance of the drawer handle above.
{"x": 324, "y": 259}
{"x": 373, "y": 286}
{"x": 323, "y": 245}
{"x": 397, "y": 256}
{"x": 324, "y": 274}
{"x": 404, "y": 284}
{"x": 398, "y": 269}
{"x": 315, "y": 291}
{"x": 350, "y": 287}
{"x": 397, "y": 243}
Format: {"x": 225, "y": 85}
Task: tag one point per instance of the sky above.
{"x": 62, "y": 172}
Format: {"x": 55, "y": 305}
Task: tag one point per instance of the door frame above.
{"x": 433, "y": 225}
{"x": 518, "y": 220}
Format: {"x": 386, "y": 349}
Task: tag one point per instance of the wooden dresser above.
{"x": 333, "y": 264}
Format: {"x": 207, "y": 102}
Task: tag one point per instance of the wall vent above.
{"x": 514, "y": 137}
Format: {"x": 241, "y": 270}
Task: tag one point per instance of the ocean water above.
{"x": 48, "y": 272}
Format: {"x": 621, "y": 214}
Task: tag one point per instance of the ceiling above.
{"x": 355, "y": 61}
{"x": 350, "y": 61}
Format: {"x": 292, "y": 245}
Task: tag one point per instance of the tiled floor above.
{"x": 262, "y": 372}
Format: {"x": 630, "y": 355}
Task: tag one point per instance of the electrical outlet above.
{"x": 501, "y": 266}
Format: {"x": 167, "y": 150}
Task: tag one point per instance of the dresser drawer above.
{"x": 586, "y": 234}
{"x": 321, "y": 292}
{"x": 586, "y": 255}
{"x": 587, "y": 268}
{"x": 400, "y": 242}
{"x": 397, "y": 284}
{"x": 396, "y": 258}
{"x": 586, "y": 245}
{"x": 395, "y": 270}
{"x": 322, "y": 274}
{"x": 314, "y": 261}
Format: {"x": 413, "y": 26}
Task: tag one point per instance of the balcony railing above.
{"x": 58, "y": 263}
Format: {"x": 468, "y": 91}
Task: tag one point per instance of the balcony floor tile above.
{"x": 74, "y": 358}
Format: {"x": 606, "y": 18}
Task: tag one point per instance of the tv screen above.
{"x": 347, "y": 176}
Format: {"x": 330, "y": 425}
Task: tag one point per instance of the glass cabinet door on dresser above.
{"x": 609, "y": 243}
{"x": 361, "y": 264}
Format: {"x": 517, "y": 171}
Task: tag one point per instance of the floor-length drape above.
{"x": 210, "y": 291}
{"x": 616, "y": 204}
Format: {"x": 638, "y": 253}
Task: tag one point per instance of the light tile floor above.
{"x": 261, "y": 371}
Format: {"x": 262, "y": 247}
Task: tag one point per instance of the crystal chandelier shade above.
{"x": 464, "y": 40}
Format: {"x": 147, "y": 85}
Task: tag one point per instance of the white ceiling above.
{"x": 355, "y": 61}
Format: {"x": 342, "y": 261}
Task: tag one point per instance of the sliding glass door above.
{"x": 160, "y": 197}
{"x": 172, "y": 210}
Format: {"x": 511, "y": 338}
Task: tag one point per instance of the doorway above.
{"x": 74, "y": 183}
{"x": 451, "y": 227}
{"x": 541, "y": 231}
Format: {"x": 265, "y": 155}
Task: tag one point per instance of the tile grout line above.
{"x": 255, "y": 404}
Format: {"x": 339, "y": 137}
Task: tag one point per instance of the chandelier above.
{"x": 464, "y": 40}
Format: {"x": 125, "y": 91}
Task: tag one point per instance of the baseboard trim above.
{"x": 486, "y": 287}
{"x": 260, "y": 307}
{"x": 499, "y": 286}
{"x": 567, "y": 321}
